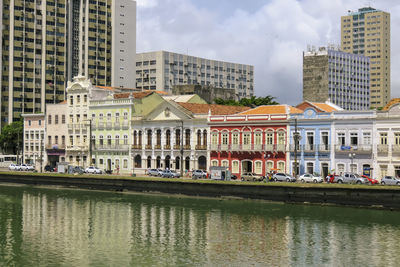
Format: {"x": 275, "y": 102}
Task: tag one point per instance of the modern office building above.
{"x": 340, "y": 77}
{"x": 163, "y": 70}
{"x": 46, "y": 43}
{"x": 367, "y": 32}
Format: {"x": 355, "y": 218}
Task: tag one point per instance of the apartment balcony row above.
{"x": 167, "y": 147}
{"x": 326, "y": 148}
{"x": 110, "y": 126}
{"x": 385, "y": 149}
{"x": 77, "y": 126}
{"x": 77, "y": 148}
{"x": 248, "y": 147}
{"x": 110, "y": 147}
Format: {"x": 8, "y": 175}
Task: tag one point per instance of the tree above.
{"x": 11, "y": 137}
{"x": 248, "y": 102}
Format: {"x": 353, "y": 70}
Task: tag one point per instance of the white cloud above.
{"x": 272, "y": 37}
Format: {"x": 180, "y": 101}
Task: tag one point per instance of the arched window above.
{"x": 281, "y": 166}
{"x": 258, "y": 167}
{"x": 134, "y": 138}
{"x": 117, "y": 140}
{"x": 168, "y": 138}
{"x": 224, "y": 138}
{"x": 205, "y": 138}
{"x": 101, "y": 142}
{"x": 235, "y": 166}
{"x": 270, "y": 165}
{"x": 225, "y": 163}
{"x": 281, "y": 138}
{"x": 199, "y": 138}
{"x": 109, "y": 140}
{"x": 214, "y": 138}
{"x": 257, "y": 138}
{"x": 125, "y": 139}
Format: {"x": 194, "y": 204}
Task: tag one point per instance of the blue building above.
{"x": 315, "y": 149}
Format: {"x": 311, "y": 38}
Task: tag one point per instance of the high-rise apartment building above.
{"x": 46, "y": 43}
{"x": 367, "y": 32}
{"x": 163, "y": 70}
{"x": 342, "y": 78}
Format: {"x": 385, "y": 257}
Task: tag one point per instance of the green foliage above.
{"x": 11, "y": 137}
{"x": 248, "y": 102}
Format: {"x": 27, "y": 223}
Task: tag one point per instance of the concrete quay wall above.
{"x": 361, "y": 196}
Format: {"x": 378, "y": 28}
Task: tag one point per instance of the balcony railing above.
{"x": 70, "y": 126}
{"x": 137, "y": 147}
{"x": 109, "y": 126}
{"x": 101, "y": 126}
{"x": 187, "y": 147}
{"x": 167, "y": 147}
{"x": 113, "y": 147}
{"x": 324, "y": 148}
{"x": 201, "y": 147}
{"x": 235, "y": 147}
{"x": 257, "y": 147}
{"x": 177, "y": 147}
{"x": 281, "y": 147}
{"x": 396, "y": 149}
{"x": 125, "y": 125}
{"x": 149, "y": 147}
{"x": 223, "y": 147}
{"x": 157, "y": 147}
{"x": 117, "y": 126}
{"x": 383, "y": 148}
{"x": 309, "y": 148}
{"x": 354, "y": 148}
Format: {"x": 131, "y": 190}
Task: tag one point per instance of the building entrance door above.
{"x": 247, "y": 166}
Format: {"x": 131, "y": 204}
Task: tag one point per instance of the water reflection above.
{"x": 41, "y": 227}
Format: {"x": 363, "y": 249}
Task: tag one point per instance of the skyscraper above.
{"x": 340, "y": 77}
{"x": 367, "y": 32}
{"x": 45, "y": 43}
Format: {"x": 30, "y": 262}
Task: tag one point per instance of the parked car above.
{"x": 152, "y": 172}
{"x": 283, "y": 177}
{"x": 14, "y": 167}
{"x": 24, "y": 167}
{"x": 310, "y": 178}
{"x": 48, "y": 168}
{"x": 233, "y": 177}
{"x": 170, "y": 174}
{"x": 352, "y": 178}
{"x": 333, "y": 178}
{"x": 93, "y": 170}
{"x": 370, "y": 180}
{"x": 390, "y": 180}
{"x": 199, "y": 174}
{"x": 78, "y": 169}
{"x": 249, "y": 176}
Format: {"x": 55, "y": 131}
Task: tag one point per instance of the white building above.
{"x": 163, "y": 70}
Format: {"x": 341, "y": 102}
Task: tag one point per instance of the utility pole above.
{"x": 297, "y": 138}
{"x": 41, "y": 154}
{"x": 90, "y": 142}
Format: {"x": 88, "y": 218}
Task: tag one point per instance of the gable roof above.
{"x": 272, "y": 109}
{"x": 215, "y": 109}
{"x": 179, "y": 98}
{"x": 320, "y": 107}
{"x": 139, "y": 95}
{"x": 391, "y": 103}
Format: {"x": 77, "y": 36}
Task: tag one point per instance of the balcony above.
{"x": 137, "y": 147}
{"x": 158, "y": 146}
{"x": 125, "y": 125}
{"x": 281, "y": 147}
{"x": 201, "y": 147}
{"x": 383, "y": 149}
{"x": 177, "y": 147}
{"x": 149, "y": 146}
{"x": 70, "y": 126}
{"x": 117, "y": 126}
{"x": 353, "y": 148}
{"x": 324, "y": 148}
{"x": 396, "y": 149}
{"x": 112, "y": 147}
{"x": 269, "y": 147}
{"x": 167, "y": 147}
{"x": 187, "y": 147}
{"x": 309, "y": 148}
{"x": 101, "y": 126}
{"x": 109, "y": 126}
{"x": 223, "y": 147}
{"x": 257, "y": 147}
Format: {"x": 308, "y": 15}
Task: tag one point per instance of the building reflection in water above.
{"x": 80, "y": 228}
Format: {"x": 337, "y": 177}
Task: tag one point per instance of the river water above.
{"x": 69, "y": 227}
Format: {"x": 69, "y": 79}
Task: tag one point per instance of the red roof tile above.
{"x": 215, "y": 109}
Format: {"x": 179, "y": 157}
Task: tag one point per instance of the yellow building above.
{"x": 367, "y": 32}
{"x": 46, "y": 43}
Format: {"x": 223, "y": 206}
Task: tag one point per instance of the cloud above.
{"x": 271, "y": 36}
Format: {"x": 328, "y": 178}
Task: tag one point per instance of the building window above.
{"x": 214, "y": 163}
{"x": 63, "y": 119}
{"x": 281, "y": 166}
{"x": 56, "y": 139}
{"x": 246, "y": 139}
{"x": 269, "y": 166}
{"x": 257, "y": 138}
{"x": 340, "y": 168}
{"x": 71, "y": 100}
{"x": 281, "y": 138}
{"x": 84, "y": 98}
{"x": 258, "y": 167}
{"x": 383, "y": 138}
{"x": 235, "y": 166}
{"x": 63, "y": 140}
{"x": 367, "y": 138}
{"x": 214, "y": 138}
{"x": 341, "y": 139}
{"x": 310, "y": 167}
{"x": 224, "y": 138}
{"x": 269, "y": 139}
{"x": 125, "y": 166}
{"x": 49, "y": 140}
{"x": 56, "y": 119}
{"x": 29, "y": 122}
{"x": 397, "y": 139}
{"x": 49, "y": 119}
{"x": 235, "y": 138}
{"x": 225, "y": 163}
{"x": 354, "y": 139}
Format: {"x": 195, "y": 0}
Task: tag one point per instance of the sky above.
{"x": 269, "y": 34}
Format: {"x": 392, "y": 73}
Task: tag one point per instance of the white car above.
{"x": 24, "y": 167}
{"x": 30, "y": 167}
{"x": 390, "y": 180}
{"x": 14, "y": 167}
{"x": 309, "y": 178}
{"x": 93, "y": 170}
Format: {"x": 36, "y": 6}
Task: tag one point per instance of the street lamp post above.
{"x": 352, "y": 156}
{"x": 297, "y": 138}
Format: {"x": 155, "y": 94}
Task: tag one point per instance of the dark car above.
{"x": 48, "y": 168}
{"x": 78, "y": 169}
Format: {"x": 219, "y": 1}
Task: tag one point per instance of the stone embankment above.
{"x": 347, "y": 195}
